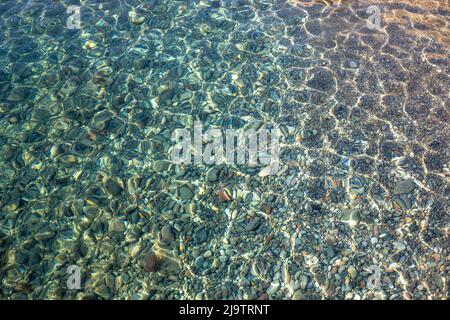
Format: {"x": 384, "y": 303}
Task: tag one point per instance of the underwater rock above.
{"x": 253, "y": 224}
{"x": 19, "y": 94}
{"x": 404, "y": 186}
{"x": 322, "y": 80}
{"x": 150, "y": 262}
{"x": 350, "y": 216}
{"x": 167, "y": 234}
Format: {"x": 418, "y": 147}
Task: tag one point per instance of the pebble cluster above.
{"x": 87, "y": 116}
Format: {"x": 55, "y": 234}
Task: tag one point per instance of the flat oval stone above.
{"x": 167, "y": 234}
{"x": 404, "y": 186}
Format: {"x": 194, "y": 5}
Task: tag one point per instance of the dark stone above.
{"x": 253, "y": 224}
{"x": 322, "y": 80}
{"x": 200, "y": 236}
{"x": 150, "y": 262}
{"x": 405, "y": 186}
{"x": 167, "y": 234}
{"x": 141, "y": 63}
{"x": 113, "y": 187}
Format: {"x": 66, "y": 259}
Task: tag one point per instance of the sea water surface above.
{"x": 92, "y": 207}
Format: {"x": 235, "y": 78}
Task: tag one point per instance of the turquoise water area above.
{"x": 358, "y": 208}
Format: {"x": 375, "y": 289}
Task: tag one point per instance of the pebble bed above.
{"x": 87, "y": 116}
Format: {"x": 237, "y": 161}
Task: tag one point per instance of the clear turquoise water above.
{"x": 87, "y": 116}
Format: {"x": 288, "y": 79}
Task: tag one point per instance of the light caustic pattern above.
{"x": 86, "y": 120}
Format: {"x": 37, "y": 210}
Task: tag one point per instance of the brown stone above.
{"x": 150, "y": 262}
{"x": 266, "y": 208}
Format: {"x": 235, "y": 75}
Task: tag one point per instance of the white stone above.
{"x": 273, "y": 288}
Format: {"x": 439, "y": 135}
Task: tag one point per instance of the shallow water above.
{"x": 86, "y": 121}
